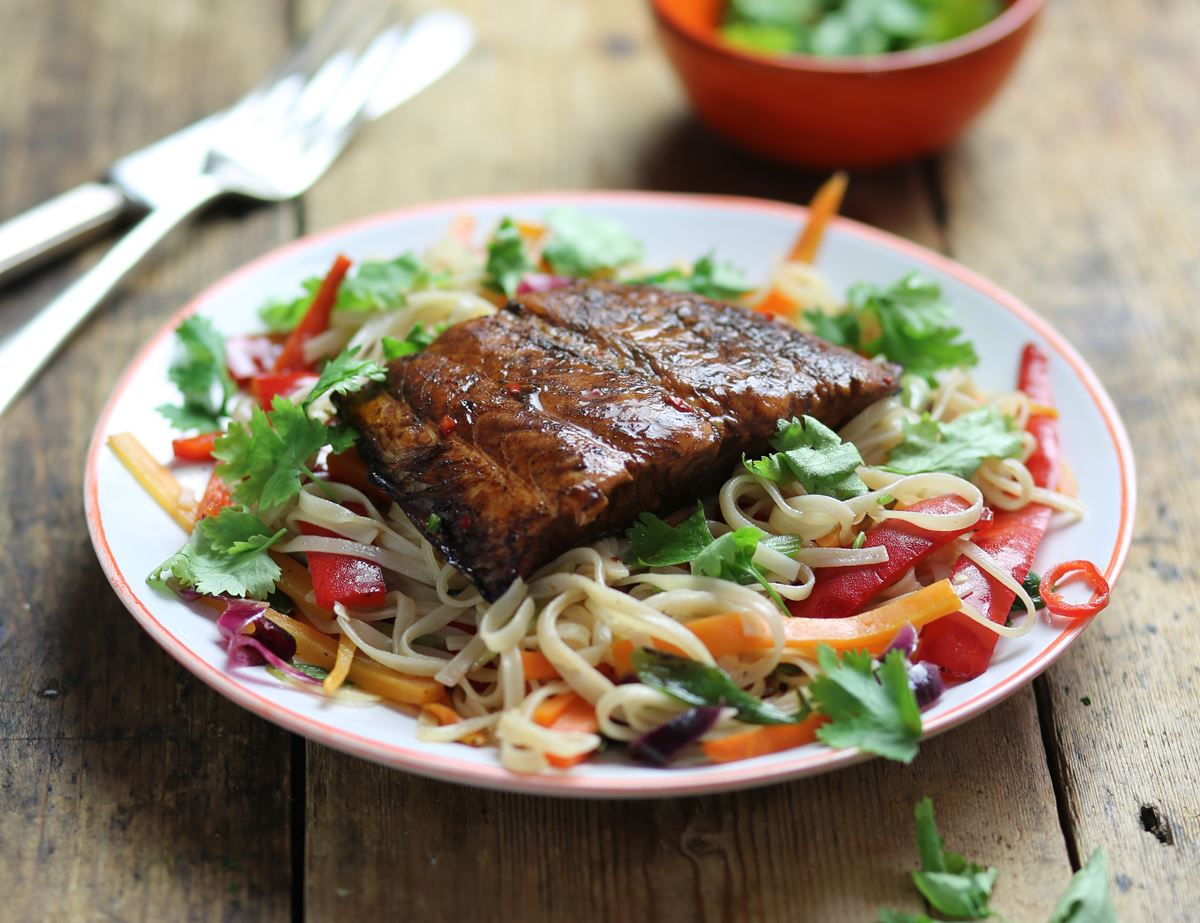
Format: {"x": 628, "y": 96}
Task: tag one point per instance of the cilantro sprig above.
{"x": 870, "y": 705}
{"x": 958, "y": 447}
{"x": 908, "y": 322}
{"x": 226, "y": 554}
{"x": 814, "y": 455}
{"x": 199, "y": 372}
{"x": 344, "y": 373}
{"x": 506, "y": 260}
{"x": 699, "y": 685}
{"x": 656, "y": 543}
{"x": 960, "y": 889}
{"x": 706, "y": 277}
{"x": 417, "y": 340}
{"x": 374, "y": 286}
{"x": 587, "y": 245}
{"x": 265, "y": 460}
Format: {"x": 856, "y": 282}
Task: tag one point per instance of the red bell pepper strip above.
{"x": 248, "y": 356}
{"x": 1059, "y": 606}
{"x": 315, "y": 320}
{"x": 194, "y": 448}
{"x": 265, "y": 387}
{"x": 841, "y": 592}
{"x": 216, "y": 498}
{"x": 339, "y": 578}
{"x": 961, "y": 647}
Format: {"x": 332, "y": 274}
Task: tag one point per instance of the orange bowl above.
{"x": 840, "y": 112}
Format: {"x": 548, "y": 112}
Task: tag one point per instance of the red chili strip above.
{"x": 315, "y": 320}
{"x": 1065, "y": 573}
{"x": 195, "y": 448}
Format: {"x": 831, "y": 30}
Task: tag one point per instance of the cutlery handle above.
{"x": 26, "y": 351}
{"x": 57, "y": 225}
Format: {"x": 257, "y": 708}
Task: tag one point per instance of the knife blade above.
{"x": 431, "y": 46}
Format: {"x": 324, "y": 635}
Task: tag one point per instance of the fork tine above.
{"x": 279, "y": 89}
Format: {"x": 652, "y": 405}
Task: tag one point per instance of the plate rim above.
{"x": 727, "y": 777}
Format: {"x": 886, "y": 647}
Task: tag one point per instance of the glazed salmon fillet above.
{"x": 563, "y": 416}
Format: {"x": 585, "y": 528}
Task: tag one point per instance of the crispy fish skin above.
{"x": 562, "y": 417}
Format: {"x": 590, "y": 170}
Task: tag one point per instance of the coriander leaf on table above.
{"x": 815, "y": 456}
{"x": 227, "y": 554}
{"x": 958, "y": 447}
{"x": 952, "y": 885}
{"x": 908, "y": 322}
{"x": 418, "y": 340}
{"x": 199, "y": 372}
{"x": 344, "y": 373}
{"x": 722, "y": 281}
{"x": 1087, "y": 898}
{"x": 876, "y": 715}
{"x": 506, "y": 259}
{"x": 583, "y": 245}
{"x": 264, "y": 460}
{"x": 697, "y": 684}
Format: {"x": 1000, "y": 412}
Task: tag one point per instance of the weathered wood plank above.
{"x": 578, "y": 97}
{"x": 128, "y": 790}
{"x": 1079, "y": 193}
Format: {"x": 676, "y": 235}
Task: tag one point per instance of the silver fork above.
{"x": 272, "y": 145}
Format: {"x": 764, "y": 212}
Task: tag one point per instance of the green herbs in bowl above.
{"x": 846, "y": 28}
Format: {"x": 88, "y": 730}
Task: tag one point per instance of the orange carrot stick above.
{"x": 537, "y": 666}
{"x": 821, "y": 210}
{"x": 770, "y": 738}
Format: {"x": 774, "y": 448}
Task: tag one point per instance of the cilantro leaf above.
{"x": 506, "y": 259}
{"x": 952, "y": 885}
{"x": 722, "y": 281}
{"x": 374, "y": 286}
{"x": 908, "y": 322}
{"x": 200, "y": 375}
{"x": 958, "y": 447}
{"x": 1087, "y": 898}
{"x": 344, "y": 373}
{"x": 418, "y": 339}
{"x": 815, "y": 456}
{"x": 584, "y": 245}
{"x": 899, "y": 916}
{"x": 227, "y": 554}
{"x": 875, "y": 714}
{"x": 654, "y": 543}
{"x": 698, "y": 684}
{"x": 264, "y": 460}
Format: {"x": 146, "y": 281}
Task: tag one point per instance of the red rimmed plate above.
{"x": 132, "y": 535}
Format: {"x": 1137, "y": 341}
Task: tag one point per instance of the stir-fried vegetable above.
{"x": 315, "y": 319}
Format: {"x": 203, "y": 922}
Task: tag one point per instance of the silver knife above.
{"x": 431, "y": 46}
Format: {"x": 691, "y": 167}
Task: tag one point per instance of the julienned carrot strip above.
{"x": 821, "y": 210}
{"x": 318, "y": 649}
{"x": 874, "y": 629}
{"x": 341, "y": 666}
{"x": 552, "y": 708}
{"x": 576, "y": 715}
{"x": 770, "y": 738}
{"x": 444, "y": 714}
{"x": 315, "y": 320}
{"x": 621, "y": 653}
{"x": 154, "y": 477}
{"x": 726, "y": 635}
{"x": 538, "y": 666}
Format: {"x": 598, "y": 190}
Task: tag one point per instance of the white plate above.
{"x": 132, "y": 535}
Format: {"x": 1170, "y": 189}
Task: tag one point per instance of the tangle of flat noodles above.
{"x": 573, "y": 610}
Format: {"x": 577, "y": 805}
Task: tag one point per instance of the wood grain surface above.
{"x": 129, "y": 791}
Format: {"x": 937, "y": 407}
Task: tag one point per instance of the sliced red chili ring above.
{"x": 1067, "y": 569}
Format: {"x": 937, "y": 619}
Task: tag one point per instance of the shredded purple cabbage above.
{"x": 660, "y": 745}
{"x": 926, "y": 681}
{"x": 905, "y": 640}
{"x": 268, "y": 644}
{"x": 540, "y": 282}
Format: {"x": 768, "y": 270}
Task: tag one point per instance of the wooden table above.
{"x": 128, "y": 790}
